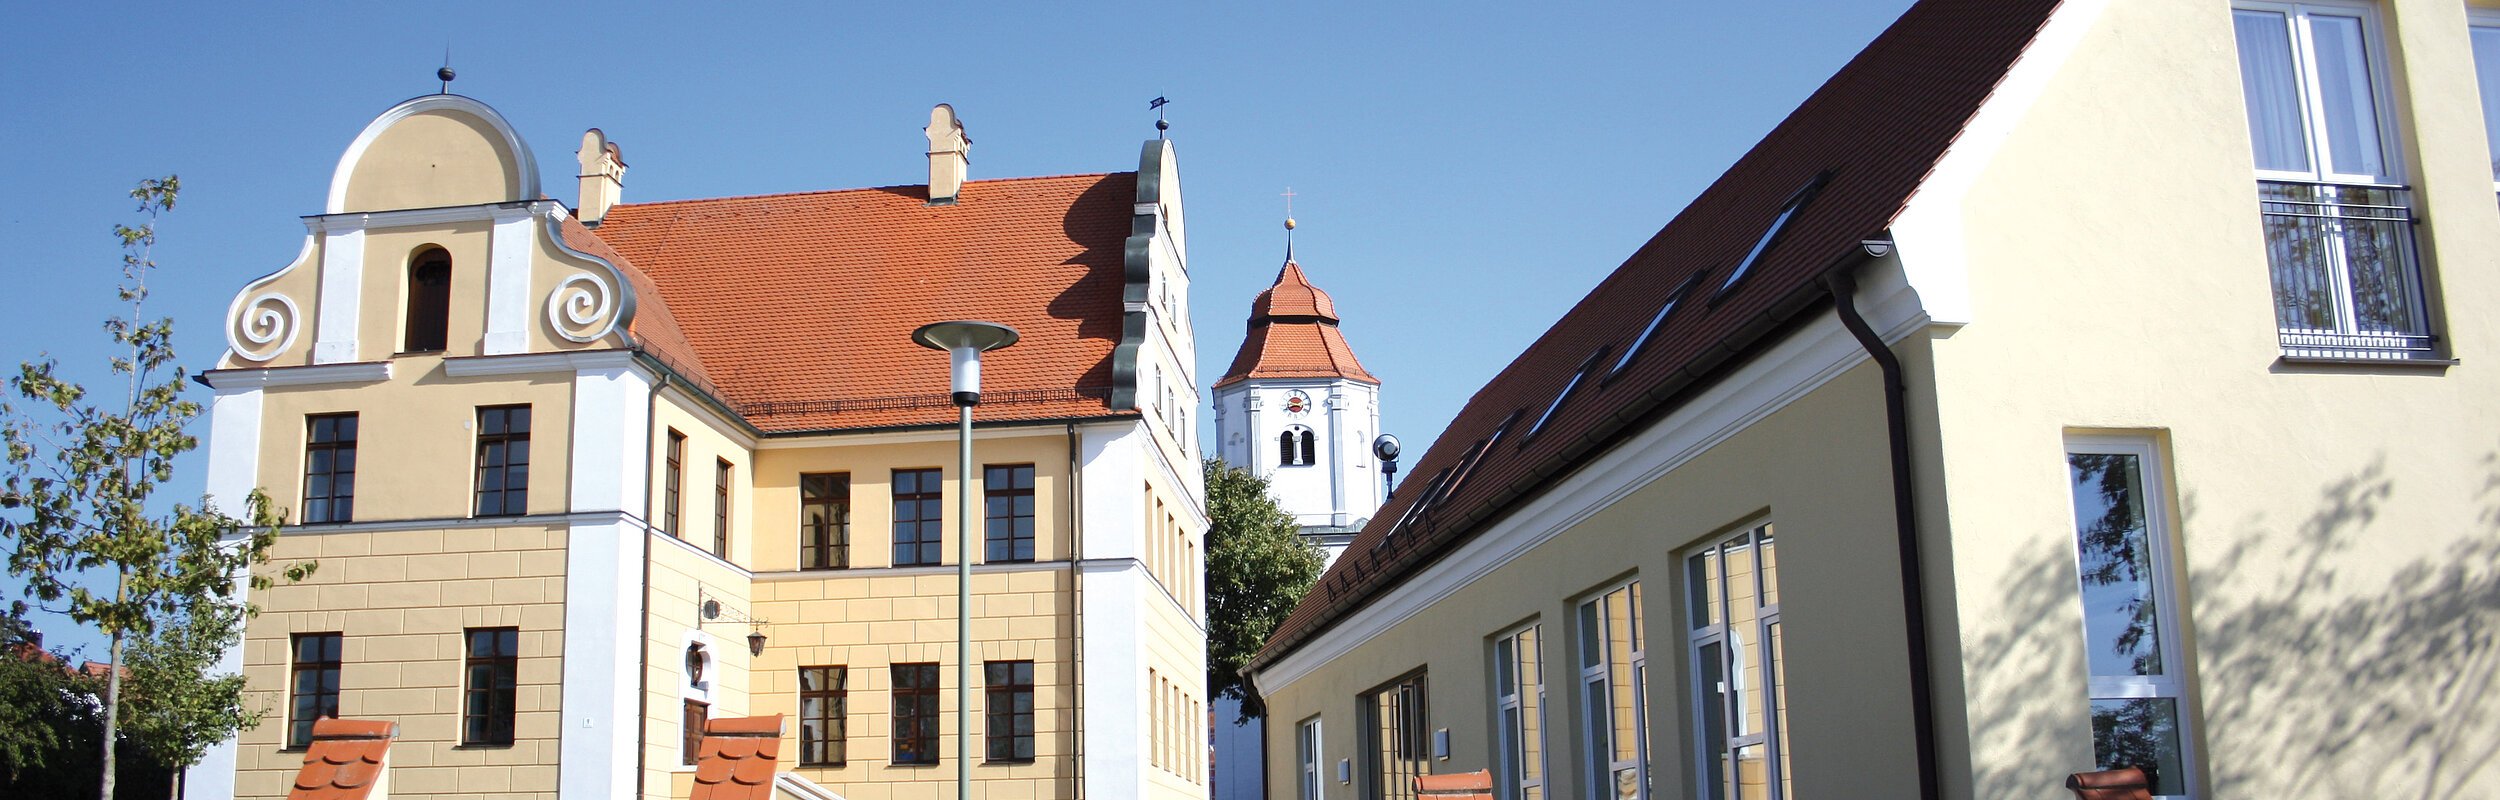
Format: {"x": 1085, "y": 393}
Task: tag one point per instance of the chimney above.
{"x": 950, "y": 151}
{"x": 603, "y": 176}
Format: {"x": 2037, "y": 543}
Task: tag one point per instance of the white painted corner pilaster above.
{"x": 342, "y": 294}
{"x": 602, "y": 581}
{"x": 234, "y": 429}
{"x": 508, "y": 281}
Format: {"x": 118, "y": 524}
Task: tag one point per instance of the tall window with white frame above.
{"x": 1396, "y": 738}
{"x": 2485, "y": 32}
{"x": 1614, "y": 671}
{"x": 1519, "y": 697}
{"x": 1306, "y": 751}
{"x": 2338, "y": 217}
{"x": 2130, "y": 630}
{"x": 1740, "y": 687}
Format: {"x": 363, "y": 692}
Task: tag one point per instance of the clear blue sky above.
{"x": 1464, "y": 172}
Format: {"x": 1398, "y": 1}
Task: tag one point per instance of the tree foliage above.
{"x": 77, "y": 528}
{"x": 1258, "y": 567}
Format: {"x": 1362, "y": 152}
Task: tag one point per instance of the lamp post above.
{"x": 964, "y": 341}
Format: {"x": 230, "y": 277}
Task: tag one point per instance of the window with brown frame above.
{"x": 673, "y": 487}
{"x": 824, "y": 710}
{"x": 503, "y": 461}
{"x": 918, "y": 524}
{"x": 1008, "y": 490}
{"x": 427, "y": 327}
{"x": 824, "y": 521}
{"x": 721, "y": 469}
{"x": 314, "y": 691}
{"x": 915, "y": 713}
{"x": 697, "y": 712}
{"x": 1010, "y": 710}
{"x": 494, "y": 667}
{"x": 329, "y": 468}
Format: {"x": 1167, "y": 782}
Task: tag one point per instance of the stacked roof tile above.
{"x": 345, "y": 761}
{"x": 1873, "y": 132}
{"x": 796, "y": 310}
{"x": 737, "y": 758}
{"x": 1293, "y": 334}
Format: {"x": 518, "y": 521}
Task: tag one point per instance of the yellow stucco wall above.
{"x": 1816, "y": 469}
{"x": 2335, "y": 525}
{"x": 417, "y": 439}
{"x": 434, "y": 159}
{"x": 401, "y": 600}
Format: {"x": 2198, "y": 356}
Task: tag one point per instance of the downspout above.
{"x": 1076, "y": 619}
{"x": 1843, "y": 286}
{"x": 642, "y": 679}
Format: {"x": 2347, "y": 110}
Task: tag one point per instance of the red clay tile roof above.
{"x": 799, "y": 308}
{"x": 345, "y": 760}
{"x": 653, "y": 326}
{"x": 1293, "y": 334}
{"x": 736, "y": 758}
{"x": 1876, "y": 128}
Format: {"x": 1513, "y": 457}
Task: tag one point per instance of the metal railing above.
{"x": 2347, "y": 280}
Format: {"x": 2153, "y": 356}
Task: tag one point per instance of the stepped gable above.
{"x": 1293, "y": 334}
{"x": 1872, "y": 134}
{"x": 796, "y": 310}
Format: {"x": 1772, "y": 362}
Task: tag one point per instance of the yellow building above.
{"x": 2062, "y": 385}
{"x": 577, "y": 479}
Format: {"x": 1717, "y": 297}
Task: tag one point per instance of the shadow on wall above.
{"x": 2315, "y": 683}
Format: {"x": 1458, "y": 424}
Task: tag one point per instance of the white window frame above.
{"x": 1738, "y": 645}
{"x": 2172, "y": 684}
{"x": 1508, "y": 740}
{"x": 1595, "y": 681}
{"x": 2312, "y": 105}
{"x": 1307, "y": 749}
{"x": 2486, "y": 19}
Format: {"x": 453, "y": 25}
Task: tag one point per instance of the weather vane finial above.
{"x": 1161, "y": 125}
{"x": 1289, "y": 224}
{"x": 445, "y": 74}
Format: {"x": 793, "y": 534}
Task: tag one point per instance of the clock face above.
{"x": 1297, "y": 404}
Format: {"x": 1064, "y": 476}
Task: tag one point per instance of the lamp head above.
{"x": 965, "y": 341}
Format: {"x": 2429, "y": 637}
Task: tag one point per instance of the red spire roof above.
{"x": 1293, "y": 334}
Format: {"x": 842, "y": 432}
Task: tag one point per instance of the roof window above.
{"x": 1475, "y": 455}
{"x": 1564, "y": 396}
{"x": 1779, "y": 225}
{"x": 1675, "y": 298}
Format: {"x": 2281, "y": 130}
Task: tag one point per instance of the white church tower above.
{"x": 1297, "y": 408}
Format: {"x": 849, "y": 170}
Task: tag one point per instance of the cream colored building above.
{"x": 2063, "y": 385}
{"x": 575, "y": 478}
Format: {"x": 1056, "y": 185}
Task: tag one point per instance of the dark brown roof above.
{"x": 1293, "y": 334}
{"x": 797, "y": 310}
{"x": 1874, "y": 130}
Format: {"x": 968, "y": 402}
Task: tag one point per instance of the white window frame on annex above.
{"x": 2160, "y": 539}
{"x": 1307, "y": 741}
{"x": 2392, "y": 169}
{"x": 2479, "y": 20}
{"x": 1594, "y": 679}
{"x": 1738, "y": 645}
{"x": 1507, "y": 740}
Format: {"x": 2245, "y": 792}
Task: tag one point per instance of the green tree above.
{"x": 74, "y": 510}
{"x": 46, "y": 721}
{"x": 1258, "y": 567}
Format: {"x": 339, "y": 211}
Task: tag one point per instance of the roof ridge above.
{"x": 888, "y": 188}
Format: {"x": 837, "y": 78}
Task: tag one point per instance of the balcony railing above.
{"x": 2347, "y": 283}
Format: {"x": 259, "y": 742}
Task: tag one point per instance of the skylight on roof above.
{"x": 1563, "y": 396}
{"x": 1475, "y": 456}
{"x": 1779, "y": 225}
{"x": 1674, "y": 298}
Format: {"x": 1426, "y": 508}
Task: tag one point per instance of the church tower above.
{"x": 1297, "y": 408}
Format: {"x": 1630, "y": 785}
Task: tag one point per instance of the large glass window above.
{"x": 494, "y": 666}
{"x": 915, "y": 713}
{"x": 1519, "y": 697}
{"x": 824, "y": 716}
{"x": 1010, "y": 710}
{"x": 1740, "y": 688}
{"x": 1614, "y": 701}
{"x": 2338, "y": 219}
{"x": 919, "y": 537}
{"x": 2122, "y": 552}
{"x": 1008, "y": 492}
{"x": 503, "y": 461}
{"x": 2486, "y": 38}
{"x": 1397, "y": 738}
{"x": 330, "y": 468}
{"x": 1307, "y": 754}
{"x": 824, "y": 521}
{"x": 313, "y": 692}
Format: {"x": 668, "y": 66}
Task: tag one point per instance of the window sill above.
{"x": 503, "y": 746}
{"x": 825, "y": 765}
{"x": 1006, "y": 762}
{"x": 915, "y": 765}
{"x": 2333, "y": 364}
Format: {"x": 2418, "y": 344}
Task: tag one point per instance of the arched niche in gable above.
{"x": 432, "y": 152}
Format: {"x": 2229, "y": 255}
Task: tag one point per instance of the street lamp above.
{"x": 964, "y": 341}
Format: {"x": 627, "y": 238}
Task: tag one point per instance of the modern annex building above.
{"x": 580, "y": 479}
{"x": 2062, "y": 385}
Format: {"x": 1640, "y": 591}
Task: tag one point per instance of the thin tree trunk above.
{"x": 113, "y": 693}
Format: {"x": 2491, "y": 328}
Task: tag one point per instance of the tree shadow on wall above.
{"x": 2320, "y": 672}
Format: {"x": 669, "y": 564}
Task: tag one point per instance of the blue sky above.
{"x": 1463, "y": 172}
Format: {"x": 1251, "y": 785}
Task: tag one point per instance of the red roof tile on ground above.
{"x": 799, "y": 308}
{"x": 736, "y": 758}
{"x": 1293, "y": 334}
{"x": 345, "y": 760}
{"x": 1876, "y": 129}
